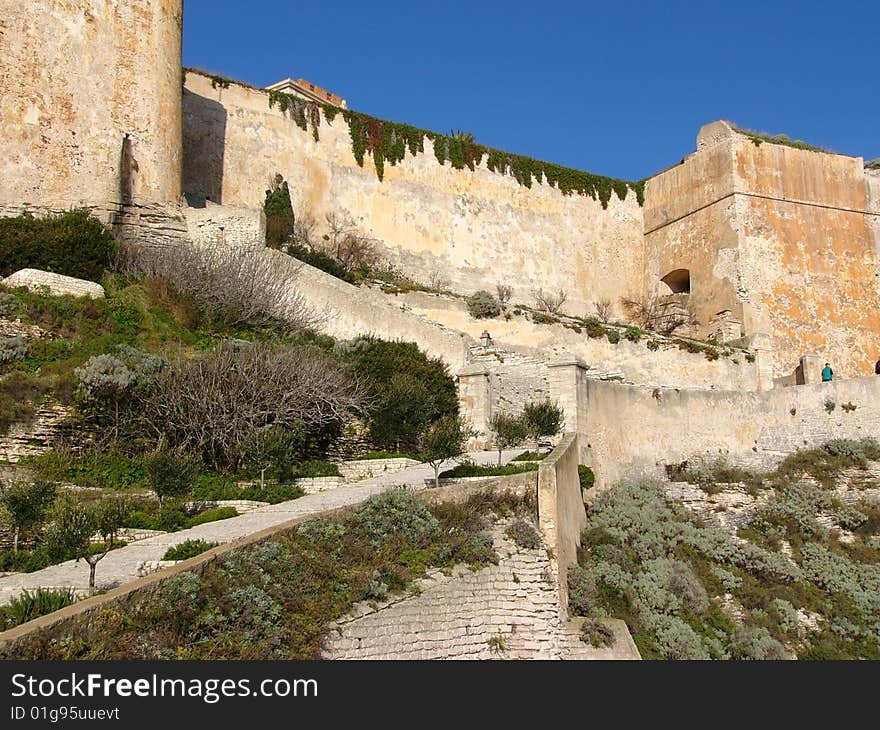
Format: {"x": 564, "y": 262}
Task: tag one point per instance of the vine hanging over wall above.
{"x": 302, "y": 111}
{"x": 389, "y": 142}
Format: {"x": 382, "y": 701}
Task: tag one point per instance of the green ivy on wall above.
{"x": 302, "y": 111}
{"x": 388, "y": 143}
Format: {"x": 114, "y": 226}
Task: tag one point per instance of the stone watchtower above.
{"x": 91, "y": 112}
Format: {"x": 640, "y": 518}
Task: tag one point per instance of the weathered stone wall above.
{"x": 476, "y": 228}
{"x": 519, "y": 338}
{"x": 784, "y": 238}
{"x": 91, "y": 112}
{"x": 632, "y": 431}
{"x": 220, "y": 225}
{"x": 504, "y": 611}
{"x": 561, "y": 514}
{"x": 349, "y": 311}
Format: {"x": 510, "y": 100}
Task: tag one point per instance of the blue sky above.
{"x": 618, "y": 88}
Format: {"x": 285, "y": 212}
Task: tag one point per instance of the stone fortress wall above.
{"x": 91, "y": 112}
{"x": 476, "y": 228}
{"x": 785, "y": 239}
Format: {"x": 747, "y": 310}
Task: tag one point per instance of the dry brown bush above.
{"x": 349, "y": 247}
{"x": 214, "y": 404}
{"x": 649, "y": 313}
{"x": 549, "y": 302}
{"x": 231, "y": 286}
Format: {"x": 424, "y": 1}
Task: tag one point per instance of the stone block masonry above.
{"x": 504, "y": 611}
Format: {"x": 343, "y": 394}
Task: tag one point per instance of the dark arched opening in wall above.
{"x": 678, "y": 281}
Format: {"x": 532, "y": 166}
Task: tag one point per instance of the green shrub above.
{"x": 479, "y": 550}
{"x": 276, "y": 449}
{"x": 633, "y": 334}
{"x": 279, "y": 214}
{"x": 172, "y": 519}
{"x": 483, "y": 305}
{"x": 474, "y": 470}
{"x": 321, "y": 530}
{"x": 311, "y": 469}
{"x": 396, "y": 514}
{"x": 272, "y": 493}
{"x": 524, "y": 535}
{"x": 596, "y": 634}
{"x": 212, "y": 515}
{"x": 653, "y": 345}
{"x": 594, "y": 328}
{"x": 12, "y": 349}
{"x": 613, "y": 336}
{"x": 188, "y": 549}
{"x": 407, "y": 390}
{"x": 74, "y": 243}
{"x": 107, "y": 470}
{"x": 583, "y": 594}
{"x": 530, "y": 456}
{"x": 544, "y": 318}
{"x": 28, "y": 606}
{"x": 586, "y": 476}
{"x": 9, "y": 306}
{"x": 858, "y": 452}
{"x": 172, "y": 473}
{"x": 140, "y": 520}
{"x": 755, "y": 642}
{"x": 321, "y": 261}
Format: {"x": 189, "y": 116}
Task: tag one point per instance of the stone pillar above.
{"x": 760, "y": 344}
{"x": 811, "y": 368}
{"x": 474, "y": 400}
{"x": 566, "y": 388}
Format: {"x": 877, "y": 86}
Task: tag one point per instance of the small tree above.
{"x": 75, "y": 524}
{"x": 444, "y": 439}
{"x": 27, "y": 504}
{"x": 111, "y": 515}
{"x": 543, "y": 418}
{"x": 509, "y": 431}
{"x": 172, "y": 473}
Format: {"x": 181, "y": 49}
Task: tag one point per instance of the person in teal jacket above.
{"x": 827, "y": 373}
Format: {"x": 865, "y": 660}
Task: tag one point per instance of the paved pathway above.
{"x": 120, "y": 566}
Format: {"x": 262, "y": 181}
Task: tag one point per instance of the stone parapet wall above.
{"x": 631, "y": 431}
{"x": 358, "y": 469}
{"x": 561, "y": 513}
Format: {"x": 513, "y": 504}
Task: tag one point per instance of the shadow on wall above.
{"x": 204, "y": 143}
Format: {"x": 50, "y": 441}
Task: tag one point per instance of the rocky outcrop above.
{"x": 56, "y": 284}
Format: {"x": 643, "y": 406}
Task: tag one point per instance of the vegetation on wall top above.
{"x": 388, "y": 142}
{"x": 783, "y": 139}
